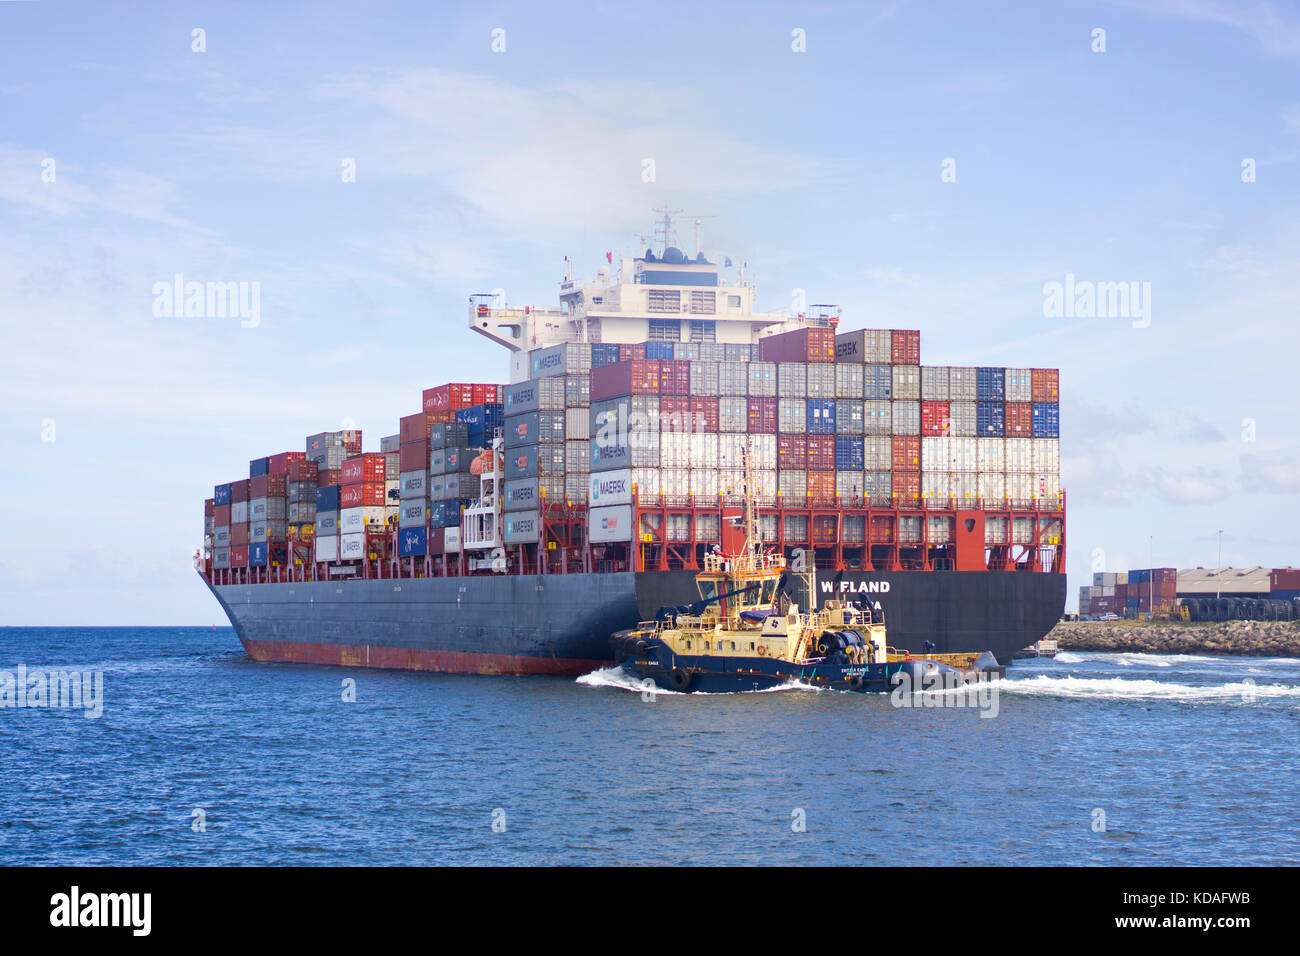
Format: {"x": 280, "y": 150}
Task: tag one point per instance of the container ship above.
{"x": 511, "y": 528}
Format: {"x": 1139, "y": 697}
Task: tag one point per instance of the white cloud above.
{"x": 1274, "y": 26}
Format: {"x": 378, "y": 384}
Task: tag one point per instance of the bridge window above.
{"x": 664, "y": 300}
{"x": 665, "y": 330}
{"x": 704, "y": 331}
{"x": 704, "y": 303}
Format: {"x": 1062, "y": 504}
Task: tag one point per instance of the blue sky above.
{"x": 478, "y": 169}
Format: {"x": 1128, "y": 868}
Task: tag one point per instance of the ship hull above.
{"x": 560, "y": 625}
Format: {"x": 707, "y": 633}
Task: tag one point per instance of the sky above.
{"x": 369, "y": 166}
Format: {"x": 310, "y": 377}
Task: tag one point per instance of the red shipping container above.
{"x": 414, "y": 455}
{"x": 762, "y": 416}
{"x": 821, "y": 484}
{"x": 239, "y": 555}
{"x": 1045, "y": 383}
{"x": 906, "y": 453}
{"x": 209, "y": 507}
{"x": 264, "y": 486}
{"x": 905, "y": 347}
{"x": 799, "y": 345}
{"x": 821, "y": 454}
{"x": 791, "y": 451}
{"x": 239, "y": 490}
{"x": 221, "y": 515}
{"x": 631, "y": 353}
{"x": 367, "y": 468}
{"x": 934, "y": 419}
{"x": 633, "y": 377}
{"x": 1284, "y": 579}
{"x": 239, "y": 533}
{"x": 257, "y": 487}
{"x": 823, "y": 528}
{"x": 413, "y": 427}
{"x": 488, "y": 394}
{"x": 368, "y": 494}
{"x": 330, "y": 476}
{"x": 704, "y": 412}
{"x": 280, "y": 463}
{"x": 1121, "y": 591}
{"x": 305, "y": 470}
{"x": 1020, "y": 419}
{"x": 448, "y": 398}
{"x": 907, "y": 488}
{"x": 674, "y": 377}
{"x": 352, "y": 441}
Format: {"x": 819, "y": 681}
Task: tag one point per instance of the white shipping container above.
{"x": 704, "y": 378}
{"x": 1046, "y": 486}
{"x": 1046, "y": 455}
{"x": 609, "y": 524}
{"x": 935, "y": 454}
{"x": 239, "y": 512}
{"x": 935, "y": 484}
{"x": 792, "y": 416}
{"x": 704, "y": 482}
{"x": 1019, "y": 385}
{"x": 451, "y": 540}
{"x": 907, "y": 383}
{"x": 703, "y": 450}
{"x": 762, "y": 451}
{"x": 352, "y": 547}
{"x": 610, "y": 488}
{"x": 934, "y": 383}
{"x": 733, "y": 414}
{"x": 765, "y": 483}
{"x": 792, "y": 379}
{"x": 733, "y": 378}
{"x": 821, "y": 379}
{"x": 991, "y": 454}
{"x": 676, "y": 481}
{"x": 731, "y": 450}
{"x": 577, "y": 423}
{"x": 939, "y": 529}
{"x": 648, "y": 481}
{"x": 850, "y": 485}
{"x": 878, "y": 453}
{"x": 1020, "y": 487}
{"x": 675, "y": 450}
{"x": 762, "y": 379}
{"x": 327, "y": 548}
{"x": 963, "y": 384}
{"x": 731, "y": 481}
{"x": 962, "y": 419}
{"x": 992, "y": 486}
{"x": 964, "y": 485}
{"x": 907, "y": 415}
{"x": 1020, "y": 456}
{"x": 963, "y": 454}
{"x": 848, "y": 381}
{"x": 877, "y": 418}
{"x": 354, "y": 520}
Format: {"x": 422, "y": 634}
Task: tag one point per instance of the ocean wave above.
{"x": 1119, "y": 688}
{"x": 619, "y": 679}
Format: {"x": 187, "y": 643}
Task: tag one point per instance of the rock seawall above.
{"x": 1242, "y": 638}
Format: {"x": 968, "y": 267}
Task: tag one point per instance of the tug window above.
{"x": 751, "y": 645}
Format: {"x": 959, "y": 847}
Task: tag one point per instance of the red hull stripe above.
{"x": 414, "y": 659}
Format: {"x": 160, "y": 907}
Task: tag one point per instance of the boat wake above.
{"x": 1118, "y": 688}
{"x": 619, "y": 679}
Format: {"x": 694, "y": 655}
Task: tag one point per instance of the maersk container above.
{"x": 522, "y": 527}
{"x": 221, "y": 494}
{"x": 414, "y": 484}
{"x": 221, "y": 536}
{"x": 907, "y": 383}
{"x": 535, "y": 394}
{"x": 991, "y": 384}
{"x": 877, "y": 418}
{"x": 570, "y": 358}
{"x": 877, "y": 382}
{"x": 352, "y": 547}
{"x": 1019, "y": 383}
{"x": 821, "y": 415}
{"x": 327, "y": 547}
{"x": 609, "y": 524}
{"x": 462, "y": 485}
{"x": 239, "y": 513}
{"x": 991, "y": 455}
{"x": 221, "y": 558}
{"x": 792, "y": 380}
{"x": 532, "y": 428}
{"x": 821, "y": 380}
{"x": 864, "y": 346}
{"x": 327, "y": 522}
{"x": 1047, "y": 420}
{"x": 414, "y": 513}
{"x": 413, "y": 542}
{"x": 762, "y": 379}
{"x": 849, "y": 454}
{"x": 355, "y": 520}
{"x": 990, "y": 419}
{"x": 448, "y": 435}
{"x": 848, "y": 416}
{"x": 522, "y": 494}
{"x": 907, "y": 418}
{"x": 935, "y": 383}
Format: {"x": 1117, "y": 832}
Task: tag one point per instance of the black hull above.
{"x": 561, "y": 624}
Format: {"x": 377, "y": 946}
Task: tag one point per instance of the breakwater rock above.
{"x": 1242, "y": 638}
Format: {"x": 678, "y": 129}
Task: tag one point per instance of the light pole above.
{"x": 1218, "y": 571}
{"x": 1151, "y": 575}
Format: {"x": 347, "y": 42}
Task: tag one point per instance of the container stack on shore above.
{"x": 1130, "y": 593}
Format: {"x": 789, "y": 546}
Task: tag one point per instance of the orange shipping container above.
{"x": 906, "y": 454}
{"x": 1046, "y": 384}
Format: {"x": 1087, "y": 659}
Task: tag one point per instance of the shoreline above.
{"x": 1227, "y": 638}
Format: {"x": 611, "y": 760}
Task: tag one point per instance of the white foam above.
{"x": 1119, "y": 688}
{"x": 620, "y": 679}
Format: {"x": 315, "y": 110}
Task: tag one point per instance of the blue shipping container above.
{"x": 991, "y": 385}
{"x": 603, "y": 354}
{"x": 659, "y": 351}
{"x": 821, "y": 416}
{"x": 1047, "y": 420}
{"x": 482, "y": 417}
{"x": 412, "y": 542}
{"x": 991, "y": 419}
{"x": 221, "y": 495}
{"x": 328, "y": 498}
{"x": 446, "y": 514}
{"x": 258, "y": 467}
{"x": 257, "y": 555}
{"x": 849, "y": 455}
{"x": 877, "y": 382}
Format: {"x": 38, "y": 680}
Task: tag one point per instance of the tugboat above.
{"x": 745, "y": 633}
